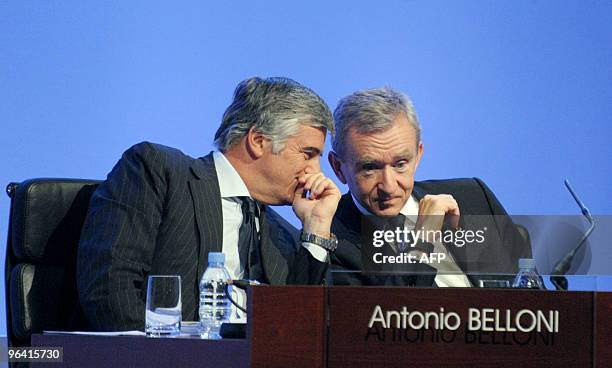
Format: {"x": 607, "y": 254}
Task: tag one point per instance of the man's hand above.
{"x": 435, "y": 209}
{"x": 315, "y": 202}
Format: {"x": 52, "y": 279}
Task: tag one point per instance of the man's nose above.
{"x": 388, "y": 180}
{"x": 313, "y": 165}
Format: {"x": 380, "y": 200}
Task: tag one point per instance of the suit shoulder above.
{"x": 452, "y": 186}
{"x": 472, "y": 188}
{"x": 448, "y": 183}
{"x": 471, "y": 193}
{"x": 157, "y": 153}
{"x": 148, "y": 148}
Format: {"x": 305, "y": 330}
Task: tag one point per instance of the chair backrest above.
{"x": 44, "y": 229}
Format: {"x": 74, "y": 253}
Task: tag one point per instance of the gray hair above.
{"x": 275, "y": 107}
{"x": 370, "y": 111}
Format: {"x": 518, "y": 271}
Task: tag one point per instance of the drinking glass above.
{"x": 163, "y": 310}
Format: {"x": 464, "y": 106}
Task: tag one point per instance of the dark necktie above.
{"x": 408, "y": 243}
{"x": 248, "y": 240}
{"x": 399, "y": 222}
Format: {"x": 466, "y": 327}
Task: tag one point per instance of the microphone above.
{"x": 241, "y": 284}
{"x": 565, "y": 263}
{"x": 583, "y": 208}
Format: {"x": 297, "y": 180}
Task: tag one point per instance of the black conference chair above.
{"x": 44, "y": 228}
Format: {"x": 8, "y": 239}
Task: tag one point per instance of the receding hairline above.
{"x": 355, "y": 129}
{"x": 363, "y": 128}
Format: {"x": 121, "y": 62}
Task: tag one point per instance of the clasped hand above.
{"x": 315, "y": 202}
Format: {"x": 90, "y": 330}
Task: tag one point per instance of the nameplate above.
{"x": 426, "y": 327}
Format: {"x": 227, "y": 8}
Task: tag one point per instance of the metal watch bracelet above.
{"x": 328, "y": 244}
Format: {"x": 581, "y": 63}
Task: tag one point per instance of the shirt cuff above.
{"x": 319, "y": 253}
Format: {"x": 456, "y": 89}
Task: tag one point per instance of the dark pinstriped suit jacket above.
{"x": 479, "y": 209}
{"x": 159, "y": 212}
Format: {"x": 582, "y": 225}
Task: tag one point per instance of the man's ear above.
{"x": 336, "y": 165}
{"x": 255, "y": 142}
{"x": 419, "y": 154}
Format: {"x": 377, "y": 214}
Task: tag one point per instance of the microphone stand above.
{"x": 557, "y": 275}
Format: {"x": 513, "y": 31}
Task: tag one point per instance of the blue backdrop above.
{"x": 518, "y": 93}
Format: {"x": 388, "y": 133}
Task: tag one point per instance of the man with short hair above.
{"x": 162, "y": 212}
{"x": 376, "y": 151}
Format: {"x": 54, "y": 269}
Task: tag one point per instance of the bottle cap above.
{"x": 527, "y": 263}
{"x": 216, "y": 257}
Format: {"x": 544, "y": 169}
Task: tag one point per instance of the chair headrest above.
{"x": 47, "y": 218}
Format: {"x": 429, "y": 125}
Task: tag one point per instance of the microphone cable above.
{"x": 241, "y": 284}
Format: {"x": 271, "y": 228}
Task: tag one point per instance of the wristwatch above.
{"x": 328, "y": 244}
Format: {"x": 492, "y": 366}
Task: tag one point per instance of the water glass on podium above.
{"x": 163, "y": 310}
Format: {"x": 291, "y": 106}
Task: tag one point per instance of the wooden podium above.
{"x": 314, "y": 326}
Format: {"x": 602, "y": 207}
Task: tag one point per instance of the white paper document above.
{"x": 94, "y": 333}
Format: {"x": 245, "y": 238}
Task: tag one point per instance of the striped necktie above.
{"x": 248, "y": 240}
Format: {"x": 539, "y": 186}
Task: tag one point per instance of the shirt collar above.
{"x": 230, "y": 182}
{"x": 410, "y": 209}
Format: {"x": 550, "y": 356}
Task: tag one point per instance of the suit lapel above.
{"x": 274, "y": 263}
{"x": 204, "y": 188}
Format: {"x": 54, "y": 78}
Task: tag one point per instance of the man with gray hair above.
{"x": 161, "y": 212}
{"x": 376, "y": 151}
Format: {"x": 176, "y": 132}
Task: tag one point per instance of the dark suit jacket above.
{"x": 498, "y": 255}
{"x": 159, "y": 212}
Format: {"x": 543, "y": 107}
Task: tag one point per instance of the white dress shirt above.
{"x": 449, "y": 273}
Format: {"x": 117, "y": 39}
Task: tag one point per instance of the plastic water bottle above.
{"x": 215, "y": 307}
{"x": 528, "y": 277}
